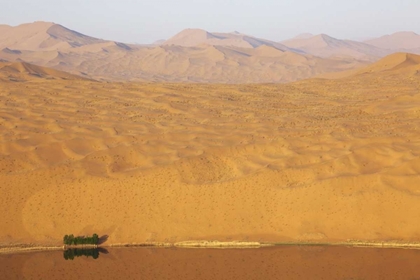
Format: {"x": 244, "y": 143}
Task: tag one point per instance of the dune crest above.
{"x": 325, "y": 46}
{"x": 399, "y": 41}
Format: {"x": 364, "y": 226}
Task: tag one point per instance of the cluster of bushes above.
{"x": 80, "y": 240}
{"x": 70, "y": 254}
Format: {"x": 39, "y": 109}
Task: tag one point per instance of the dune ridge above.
{"x": 403, "y": 65}
{"x": 193, "y": 55}
{"x": 325, "y": 46}
{"x": 399, "y": 41}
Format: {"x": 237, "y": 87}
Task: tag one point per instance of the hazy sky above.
{"x": 146, "y": 21}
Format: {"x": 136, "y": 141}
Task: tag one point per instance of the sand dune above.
{"x": 204, "y": 63}
{"x": 400, "y": 41}
{"x": 190, "y": 56}
{"x": 195, "y": 37}
{"x": 39, "y": 36}
{"x": 315, "y": 160}
{"x": 21, "y": 71}
{"x": 325, "y": 46}
{"x": 193, "y": 55}
{"x": 403, "y": 65}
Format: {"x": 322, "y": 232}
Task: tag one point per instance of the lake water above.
{"x": 175, "y": 263}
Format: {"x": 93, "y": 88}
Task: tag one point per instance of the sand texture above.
{"x": 316, "y": 160}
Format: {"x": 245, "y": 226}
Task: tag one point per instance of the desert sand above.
{"x": 316, "y": 160}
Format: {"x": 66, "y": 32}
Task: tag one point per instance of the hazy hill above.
{"x": 190, "y": 56}
{"x": 408, "y": 41}
{"x": 325, "y": 46}
{"x": 193, "y": 55}
{"x": 195, "y": 37}
{"x": 42, "y": 36}
{"x": 303, "y": 36}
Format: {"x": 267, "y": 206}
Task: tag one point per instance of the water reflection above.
{"x": 70, "y": 254}
{"x": 271, "y": 263}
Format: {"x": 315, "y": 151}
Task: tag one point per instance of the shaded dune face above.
{"x": 317, "y": 160}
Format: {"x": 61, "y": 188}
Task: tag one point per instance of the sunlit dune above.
{"x": 316, "y": 160}
{"x": 402, "y": 65}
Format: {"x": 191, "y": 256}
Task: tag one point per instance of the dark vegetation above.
{"x": 81, "y": 240}
{"x": 70, "y": 254}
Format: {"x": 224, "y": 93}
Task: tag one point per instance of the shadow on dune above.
{"x": 103, "y": 250}
{"x": 103, "y": 239}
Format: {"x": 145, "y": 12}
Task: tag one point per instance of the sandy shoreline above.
{"x": 22, "y": 248}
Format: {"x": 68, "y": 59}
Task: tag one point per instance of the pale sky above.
{"x": 147, "y": 21}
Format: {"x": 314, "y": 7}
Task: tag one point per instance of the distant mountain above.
{"x": 42, "y": 36}
{"x": 325, "y": 46}
{"x": 196, "y": 37}
{"x": 158, "y": 42}
{"x": 304, "y": 36}
{"x": 193, "y": 55}
{"x": 397, "y": 41}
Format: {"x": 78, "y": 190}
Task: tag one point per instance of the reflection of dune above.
{"x": 248, "y": 264}
{"x": 316, "y": 160}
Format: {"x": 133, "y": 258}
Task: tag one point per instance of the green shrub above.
{"x": 80, "y": 240}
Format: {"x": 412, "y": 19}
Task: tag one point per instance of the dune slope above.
{"x": 21, "y": 71}
{"x": 316, "y": 160}
{"x": 325, "y": 46}
{"x": 398, "y": 41}
{"x": 402, "y": 65}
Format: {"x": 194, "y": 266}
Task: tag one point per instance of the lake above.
{"x": 282, "y": 262}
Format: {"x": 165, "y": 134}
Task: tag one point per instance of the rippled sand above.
{"x": 317, "y": 160}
